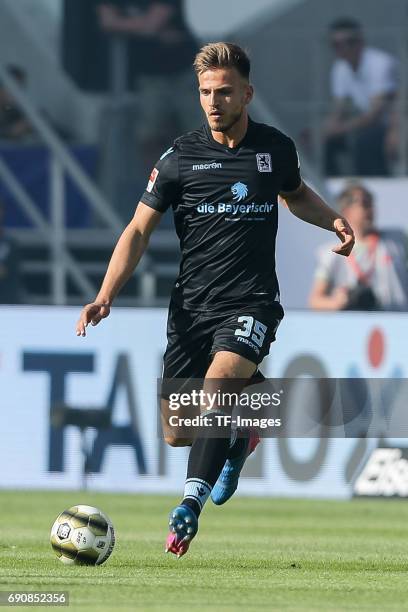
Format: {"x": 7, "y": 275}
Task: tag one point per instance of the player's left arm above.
{"x": 307, "y": 205}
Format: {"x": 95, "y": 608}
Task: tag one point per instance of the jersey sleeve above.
{"x": 163, "y": 188}
{"x": 292, "y": 179}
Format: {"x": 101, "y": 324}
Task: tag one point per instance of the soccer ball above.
{"x": 82, "y": 535}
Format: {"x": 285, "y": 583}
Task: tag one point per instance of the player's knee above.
{"x": 172, "y": 441}
{"x": 228, "y": 366}
{"x": 175, "y": 441}
{"x": 223, "y": 373}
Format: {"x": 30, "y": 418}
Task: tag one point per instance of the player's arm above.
{"x": 126, "y": 255}
{"x": 307, "y": 205}
{"x": 162, "y": 189}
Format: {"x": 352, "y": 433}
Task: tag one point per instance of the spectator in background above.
{"x": 364, "y": 86}
{"x": 13, "y": 123}
{"x": 10, "y": 282}
{"x": 162, "y": 50}
{"x": 375, "y": 275}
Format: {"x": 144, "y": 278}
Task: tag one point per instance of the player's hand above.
{"x": 91, "y": 313}
{"x": 346, "y": 235}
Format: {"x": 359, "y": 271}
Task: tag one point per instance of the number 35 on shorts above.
{"x": 251, "y": 328}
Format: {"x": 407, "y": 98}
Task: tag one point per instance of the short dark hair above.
{"x": 346, "y": 23}
{"x": 222, "y": 55}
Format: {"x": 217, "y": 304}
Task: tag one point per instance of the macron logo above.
{"x": 211, "y": 166}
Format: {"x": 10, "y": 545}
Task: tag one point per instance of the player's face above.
{"x": 224, "y": 94}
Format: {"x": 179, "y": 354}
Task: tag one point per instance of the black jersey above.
{"x": 225, "y": 209}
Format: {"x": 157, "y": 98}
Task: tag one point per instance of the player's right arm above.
{"x": 162, "y": 190}
{"x": 125, "y": 257}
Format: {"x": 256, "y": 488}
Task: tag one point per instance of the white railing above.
{"x": 46, "y": 232}
{"x": 62, "y": 161}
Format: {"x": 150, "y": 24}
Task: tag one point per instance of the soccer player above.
{"x": 222, "y": 182}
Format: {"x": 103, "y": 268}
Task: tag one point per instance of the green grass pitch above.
{"x": 251, "y": 554}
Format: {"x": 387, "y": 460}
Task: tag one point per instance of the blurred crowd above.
{"x": 359, "y": 133}
{"x": 375, "y": 275}
{"x": 161, "y": 50}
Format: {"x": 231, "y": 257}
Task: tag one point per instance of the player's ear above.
{"x": 249, "y": 94}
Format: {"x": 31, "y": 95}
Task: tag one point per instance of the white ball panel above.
{"x": 82, "y": 538}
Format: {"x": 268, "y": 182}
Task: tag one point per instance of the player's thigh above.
{"x": 248, "y": 333}
{"x": 185, "y": 363}
{"x": 188, "y": 351}
{"x": 226, "y": 364}
{"x": 226, "y": 377}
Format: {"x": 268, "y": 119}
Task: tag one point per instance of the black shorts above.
{"x": 194, "y": 337}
